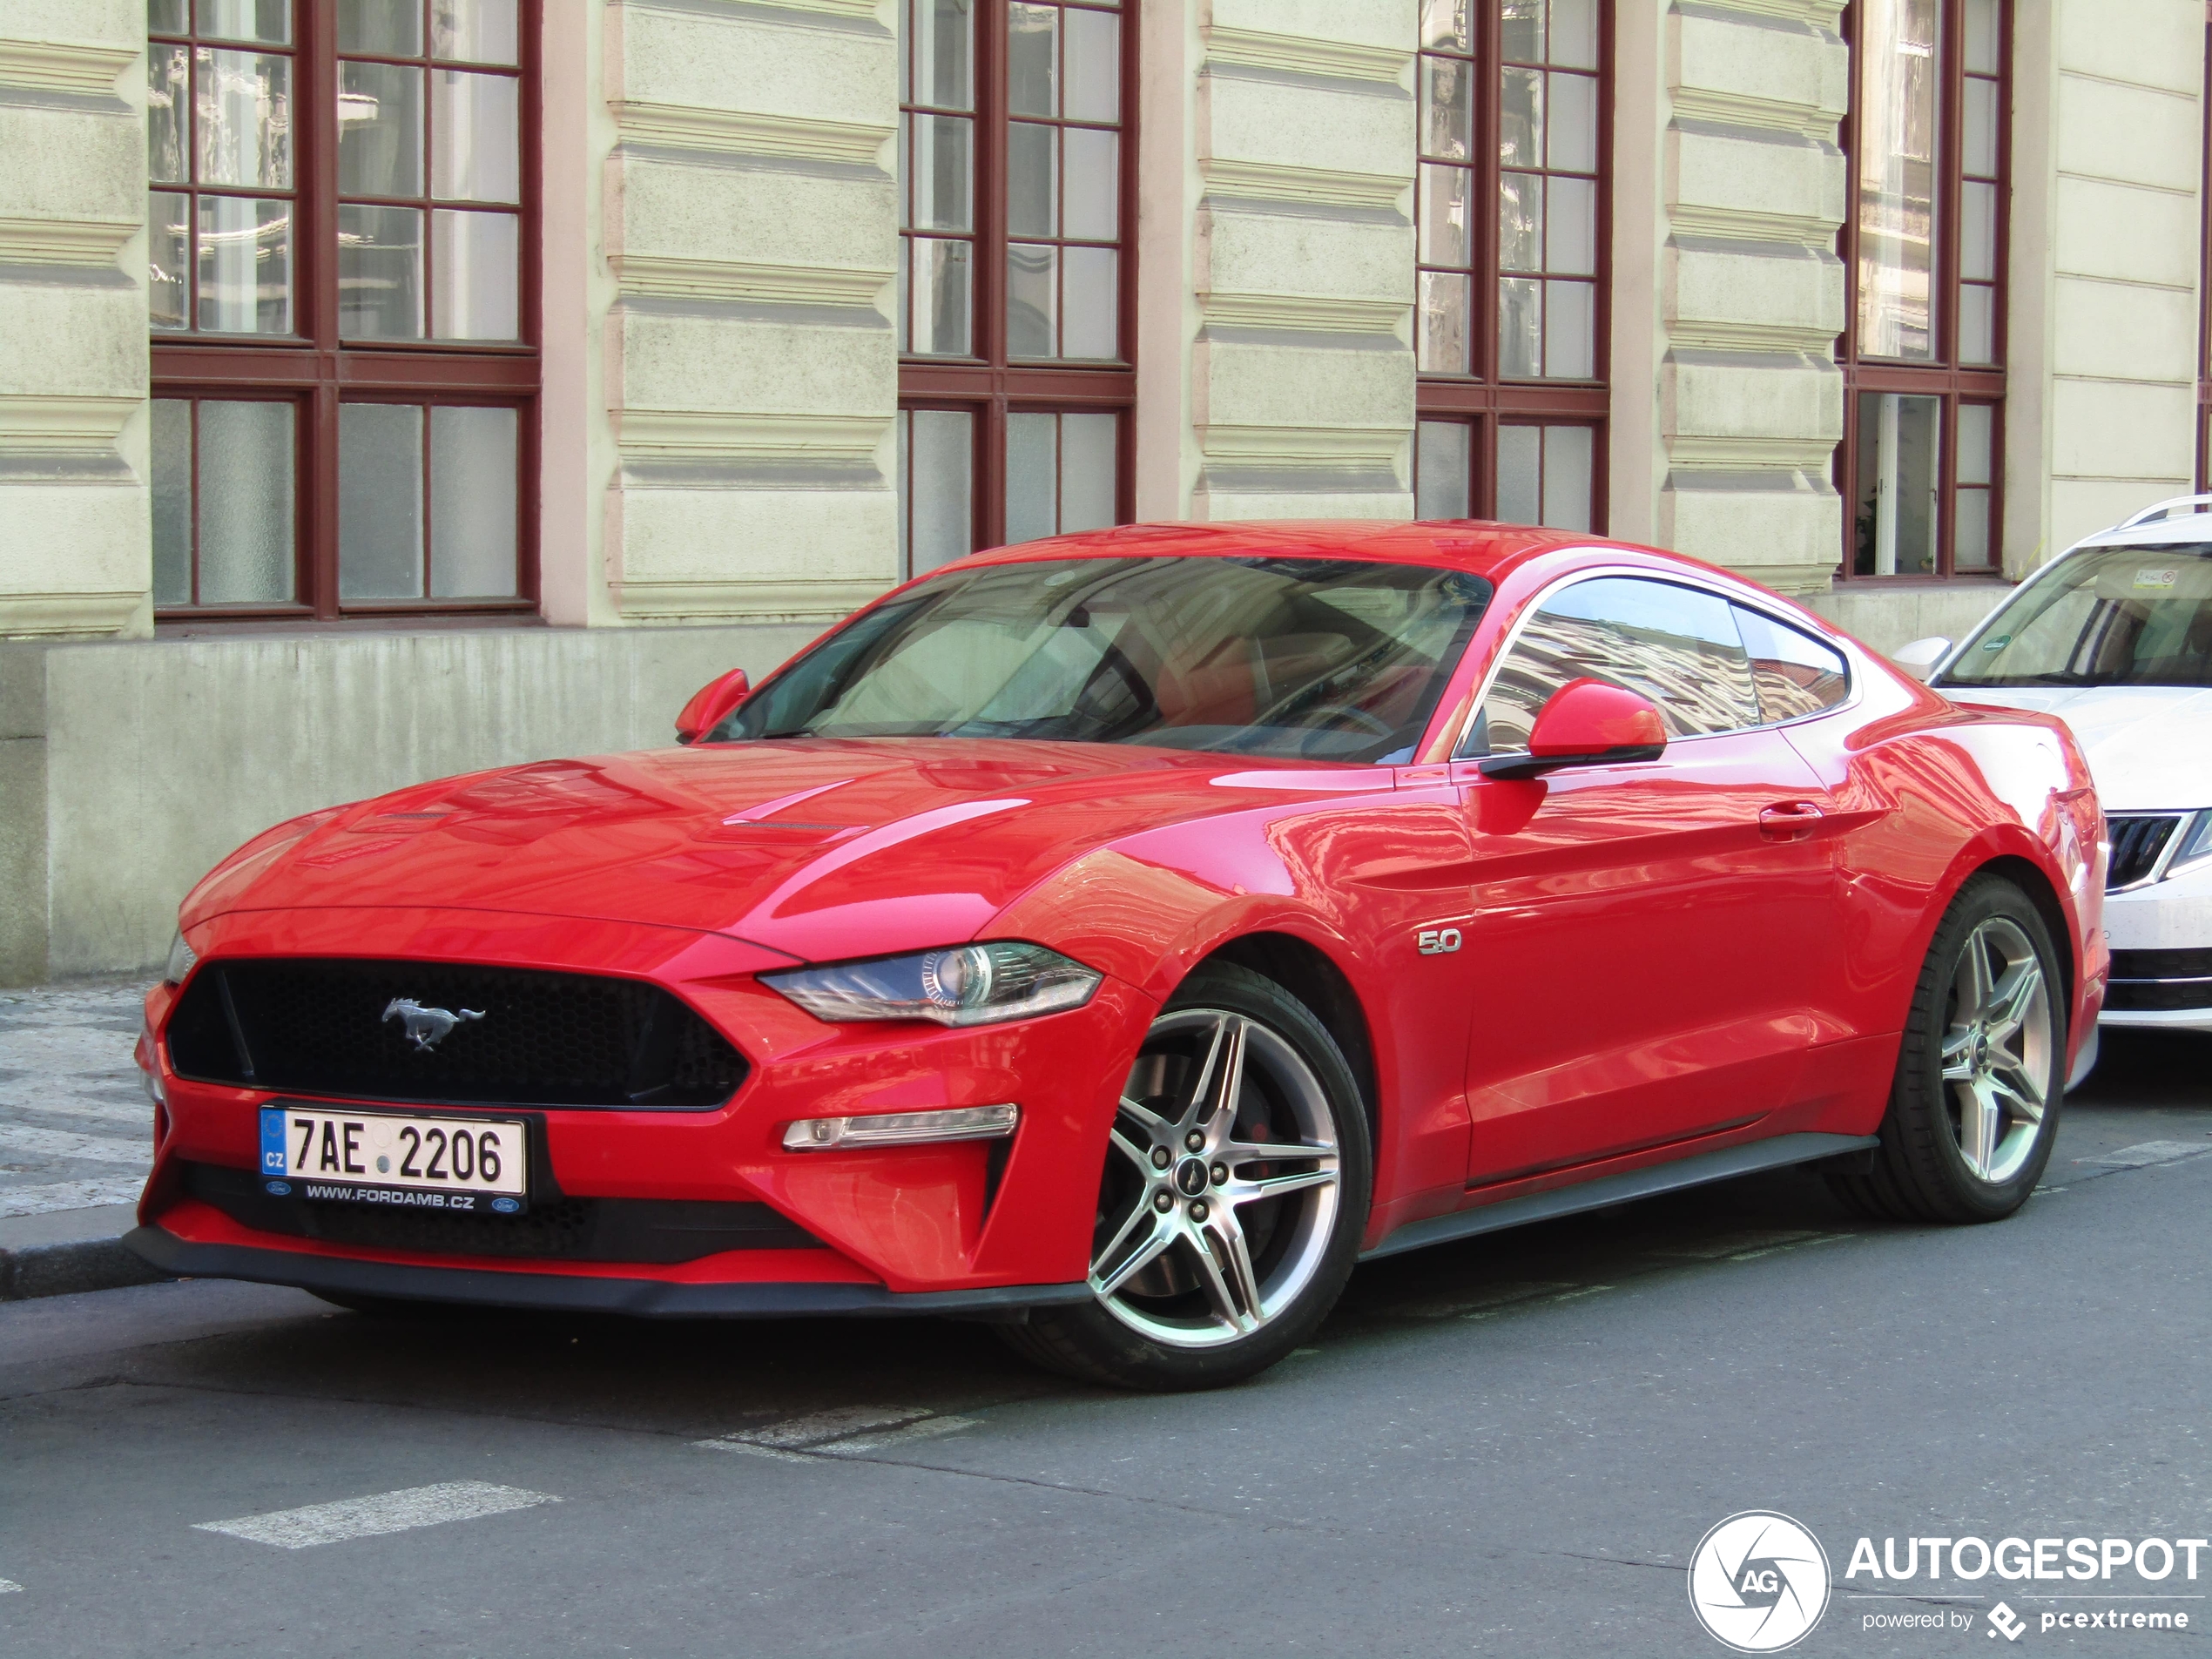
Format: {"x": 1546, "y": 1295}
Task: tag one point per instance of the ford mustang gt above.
{"x": 1116, "y": 938}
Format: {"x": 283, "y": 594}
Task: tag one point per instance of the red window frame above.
{"x": 1945, "y": 378}
{"x": 989, "y": 385}
{"x": 316, "y": 371}
{"x": 1482, "y": 399}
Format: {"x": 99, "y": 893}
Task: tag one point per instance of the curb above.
{"x": 30, "y": 1271}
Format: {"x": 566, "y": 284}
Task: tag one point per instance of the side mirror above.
{"x": 710, "y": 706}
{"x": 1918, "y": 660}
{"x": 1587, "y": 723}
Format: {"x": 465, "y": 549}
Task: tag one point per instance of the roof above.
{"x": 1478, "y": 546}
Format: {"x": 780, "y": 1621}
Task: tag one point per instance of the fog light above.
{"x": 902, "y": 1129}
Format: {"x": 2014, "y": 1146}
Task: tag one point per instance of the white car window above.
{"x": 2110, "y": 616}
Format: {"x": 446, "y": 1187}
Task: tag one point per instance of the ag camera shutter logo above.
{"x": 1758, "y": 1581}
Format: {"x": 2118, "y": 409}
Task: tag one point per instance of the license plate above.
{"x": 475, "y": 1165}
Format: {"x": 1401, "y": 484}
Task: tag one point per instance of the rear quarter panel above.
{"x": 1930, "y": 793}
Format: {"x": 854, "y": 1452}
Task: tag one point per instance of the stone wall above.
{"x": 1728, "y": 295}
{"x": 127, "y": 769}
{"x": 1278, "y": 186}
{"x": 2100, "y": 411}
{"x": 749, "y": 229}
{"x": 75, "y": 549}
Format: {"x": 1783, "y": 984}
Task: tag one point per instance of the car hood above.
{"x": 818, "y": 848}
{"x": 2149, "y": 747}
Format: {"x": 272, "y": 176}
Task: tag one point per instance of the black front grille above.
{"x": 2136, "y": 843}
{"x": 2149, "y": 981}
{"x": 2154, "y": 996}
{"x": 647, "y": 1232}
{"x": 2161, "y": 964}
{"x": 323, "y": 1027}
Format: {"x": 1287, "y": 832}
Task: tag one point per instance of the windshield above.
{"x": 1328, "y": 659}
{"x": 2109, "y": 616}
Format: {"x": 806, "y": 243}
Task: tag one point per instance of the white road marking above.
{"x": 1500, "y": 1296}
{"x": 1736, "y": 1245}
{"x": 929, "y": 1428}
{"x": 131, "y": 1114}
{"x": 2149, "y": 1152}
{"x": 8, "y": 1587}
{"x": 66, "y": 1143}
{"x": 848, "y": 1431}
{"x": 49, "y": 1196}
{"x": 385, "y": 1512}
{"x": 57, "y": 1044}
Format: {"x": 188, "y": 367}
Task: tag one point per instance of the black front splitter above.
{"x": 575, "y": 1293}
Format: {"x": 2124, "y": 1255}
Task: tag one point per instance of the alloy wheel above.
{"x": 1221, "y": 1184}
{"x": 1997, "y": 1049}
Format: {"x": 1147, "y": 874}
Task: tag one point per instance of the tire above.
{"x": 1981, "y": 1072}
{"x": 1233, "y": 1273}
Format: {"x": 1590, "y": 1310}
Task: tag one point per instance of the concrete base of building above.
{"x": 128, "y": 768}
{"x": 1886, "y": 615}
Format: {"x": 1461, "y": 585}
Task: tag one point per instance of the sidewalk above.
{"x": 76, "y": 1138}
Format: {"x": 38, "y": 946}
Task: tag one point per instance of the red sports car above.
{"x": 1118, "y": 937}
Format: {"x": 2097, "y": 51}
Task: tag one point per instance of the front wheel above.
{"x": 1974, "y": 1108}
{"x": 1235, "y": 1193}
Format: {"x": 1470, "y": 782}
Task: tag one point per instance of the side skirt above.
{"x": 1777, "y": 1153}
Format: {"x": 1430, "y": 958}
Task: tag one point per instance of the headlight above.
{"x": 2196, "y": 844}
{"x": 962, "y": 984}
{"x": 181, "y": 957}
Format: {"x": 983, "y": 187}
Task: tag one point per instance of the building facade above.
{"x": 393, "y": 387}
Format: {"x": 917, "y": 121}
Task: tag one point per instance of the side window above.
{"x": 1793, "y": 673}
{"x": 1676, "y": 646}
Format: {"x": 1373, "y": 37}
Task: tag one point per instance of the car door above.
{"x": 1654, "y": 940}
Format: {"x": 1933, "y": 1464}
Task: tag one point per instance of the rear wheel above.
{"x": 1980, "y": 1073}
{"x": 1234, "y": 1197}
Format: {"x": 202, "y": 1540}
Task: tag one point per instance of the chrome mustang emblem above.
{"x": 426, "y": 1027}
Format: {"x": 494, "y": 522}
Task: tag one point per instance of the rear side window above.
{"x": 1793, "y": 674}
{"x": 1678, "y": 646}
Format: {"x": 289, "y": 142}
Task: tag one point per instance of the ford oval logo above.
{"x": 277, "y": 1189}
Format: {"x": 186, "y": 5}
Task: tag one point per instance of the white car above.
{"x": 2116, "y": 637}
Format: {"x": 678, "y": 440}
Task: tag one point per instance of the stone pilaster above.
{"x": 749, "y": 224}
{"x": 1280, "y": 196}
{"x": 1727, "y": 305}
{"x": 75, "y": 556}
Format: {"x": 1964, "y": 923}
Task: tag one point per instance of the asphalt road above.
{"x": 1508, "y": 1445}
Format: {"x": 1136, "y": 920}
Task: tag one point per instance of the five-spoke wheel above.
{"x": 1223, "y": 1198}
{"x": 1233, "y": 1198}
{"x": 1980, "y": 1070}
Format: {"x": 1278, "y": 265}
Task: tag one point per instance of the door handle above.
{"x": 1790, "y": 820}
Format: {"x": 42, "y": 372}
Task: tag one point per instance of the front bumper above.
{"x": 991, "y": 1224}
{"x": 2169, "y": 916}
{"x": 567, "y": 1294}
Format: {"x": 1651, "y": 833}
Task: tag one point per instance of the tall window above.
{"x": 342, "y": 203}
{"x": 1514, "y": 96}
{"x": 1015, "y": 202}
{"x": 1924, "y": 244}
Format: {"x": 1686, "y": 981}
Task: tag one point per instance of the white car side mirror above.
{"x": 1918, "y": 660}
